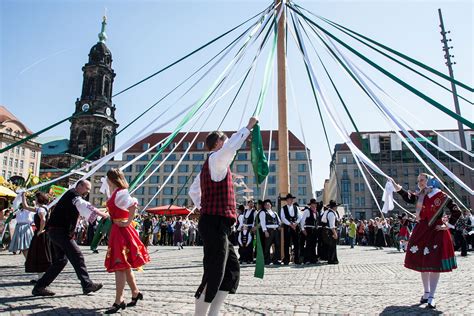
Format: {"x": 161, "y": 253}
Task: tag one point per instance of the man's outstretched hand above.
{"x": 252, "y": 121}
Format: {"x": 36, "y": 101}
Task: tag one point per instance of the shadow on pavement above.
{"x": 69, "y": 311}
{"x": 409, "y": 310}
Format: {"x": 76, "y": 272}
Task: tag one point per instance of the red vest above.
{"x": 217, "y": 198}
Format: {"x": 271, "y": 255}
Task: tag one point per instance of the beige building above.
{"x": 19, "y": 160}
{"x": 176, "y": 191}
{"x": 387, "y": 151}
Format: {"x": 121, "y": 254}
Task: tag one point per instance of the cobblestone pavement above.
{"x": 367, "y": 281}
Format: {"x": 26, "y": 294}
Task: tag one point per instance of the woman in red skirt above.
{"x": 430, "y": 247}
{"x": 125, "y": 251}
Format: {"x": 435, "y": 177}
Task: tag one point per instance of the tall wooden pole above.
{"x": 283, "y": 157}
{"x": 467, "y": 174}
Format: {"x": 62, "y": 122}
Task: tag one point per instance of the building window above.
{"x": 301, "y": 191}
{"x": 300, "y": 155}
{"x": 186, "y": 145}
{"x": 272, "y": 167}
{"x": 154, "y": 202}
{"x": 197, "y": 168}
{"x": 168, "y": 190}
{"x": 301, "y": 167}
{"x": 405, "y": 172}
{"x": 272, "y": 191}
{"x": 182, "y": 202}
{"x": 362, "y": 201}
{"x": 4, "y": 173}
{"x": 301, "y": 179}
{"x": 152, "y": 190}
{"x": 356, "y": 187}
{"x": 272, "y": 179}
{"x": 242, "y": 168}
{"x": 273, "y": 156}
{"x": 344, "y": 159}
{"x": 362, "y": 187}
{"x": 356, "y": 173}
{"x": 5, "y": 160}
{"x": 130, "y": 157}
{"x": 182, "y": 179}
{"x": 155, "y": 179}
{"x": 10, "y": 162}
{"x": 23, "y": 151}
{"x": 32, "y": 166}
{"x": 357, "y": 201}
{"x": 171, "y": 180}
{"x": 21, "y": 164}
{"x": 168, "y": 168}
{"x": 171, "y": 157}
{"x": 145, "y": 146}
{"x": 241, "y": 156}
{"x": 346, "y": 200}
{"x": 274, "y": 144}
{"x": 200, "y": 145}
{"x": 183, "y": 168}
{"x": 198, "y": 157}
{"x": 144, "y": 158}
{"x": 167, "y": 201}
{"x": 345, "y": 186}
{"x": 140, "y": 191}
{"x": 186, "y": 157}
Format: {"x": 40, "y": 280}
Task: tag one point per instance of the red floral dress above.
{"x": 431, "y": 250}
{"x": 125, "y": 249}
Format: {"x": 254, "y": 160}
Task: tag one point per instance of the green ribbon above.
{"x": 391, "y": 76}
{"x": 257, "y": 156}
{"x": 414, "y": 61}
{"x": 23, "y": 140}
{"x": 259, "y": 260}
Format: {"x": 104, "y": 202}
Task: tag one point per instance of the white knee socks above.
{"x": 434, "y": 278}
{"x": 425, "y": 277}
{"x": 200, "y": 306}
{"x": 217, "y": 303}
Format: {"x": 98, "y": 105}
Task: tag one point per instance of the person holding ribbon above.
{"x": 430, "y": 247}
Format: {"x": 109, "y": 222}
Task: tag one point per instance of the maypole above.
{"x": 283, "y": 158}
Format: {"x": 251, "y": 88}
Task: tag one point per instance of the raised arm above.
{"x": 25, "y": 203}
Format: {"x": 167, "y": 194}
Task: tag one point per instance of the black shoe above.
{"x": 95, "y": 251}
{"x": 94, "y": 287}
{"x": 333, "y": 262}
{"x": 115, "y": 308}
{"x": 42, "y": 291}
{"x": 135, "y": 300}
{"x": 429, "y": 306}
{"x": 423, "y": 300}
{"x": 33, "y": 281}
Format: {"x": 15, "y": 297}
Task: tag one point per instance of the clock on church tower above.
{"x": 96, "y": 125}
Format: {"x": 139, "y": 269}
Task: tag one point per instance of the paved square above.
{"x": 367, "y": 281}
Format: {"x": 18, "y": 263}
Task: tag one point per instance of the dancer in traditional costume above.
{"x": 60, "y": 229}
{"x": 430, "y": 248}
{"x": 213, "y": 193}
{"x": 125, "y": 249}
{"x": 21, "y": 238}
{"x": 39, "y": 256}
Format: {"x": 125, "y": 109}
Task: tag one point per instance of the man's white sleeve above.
{"x": 195, "y": 191}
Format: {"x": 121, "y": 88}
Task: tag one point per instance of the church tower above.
{"x": 96, "y": 123}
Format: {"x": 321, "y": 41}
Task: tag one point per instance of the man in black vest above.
{"x": 309, "y": 225}
{"x": 330, "y": 220}
{"x": 270, "y": 230}
{"x": 290, "y": 218}
{"x": 60, "y": 229}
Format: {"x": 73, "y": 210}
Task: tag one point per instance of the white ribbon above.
{"x": 387, "y": 197}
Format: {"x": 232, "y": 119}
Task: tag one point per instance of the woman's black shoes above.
{"x": 115, "y": 308}
{"x": 135, "y": 300}
{"x": 423, "y": 300}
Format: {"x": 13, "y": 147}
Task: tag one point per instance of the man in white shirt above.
{"x": 309, "y": 225}
{"x": 213, "y": 193}
{"x": 60, "y": 229}
{"x": 330, "y": 220}
{"x": 290, "y": 218}
{"x": 270, "y": 230}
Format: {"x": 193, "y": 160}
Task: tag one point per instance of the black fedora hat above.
{"x": 332, "y": 203}
{"x": 267, "y": 200}
{"x": 289, "y": 196}
{"x": 312, "y": 201}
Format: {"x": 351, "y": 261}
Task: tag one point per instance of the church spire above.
{"x": 102, "y": 35}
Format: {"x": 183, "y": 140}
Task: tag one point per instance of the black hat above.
{"x": 267, "y": 200}
{"x": 241, "y": 208}
{"x": 332, "y": 203}
{"x": 312, "y": 201}
{"x": 289, "y": 196}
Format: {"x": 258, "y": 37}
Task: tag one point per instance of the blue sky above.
{"x": 46, "y": 43}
